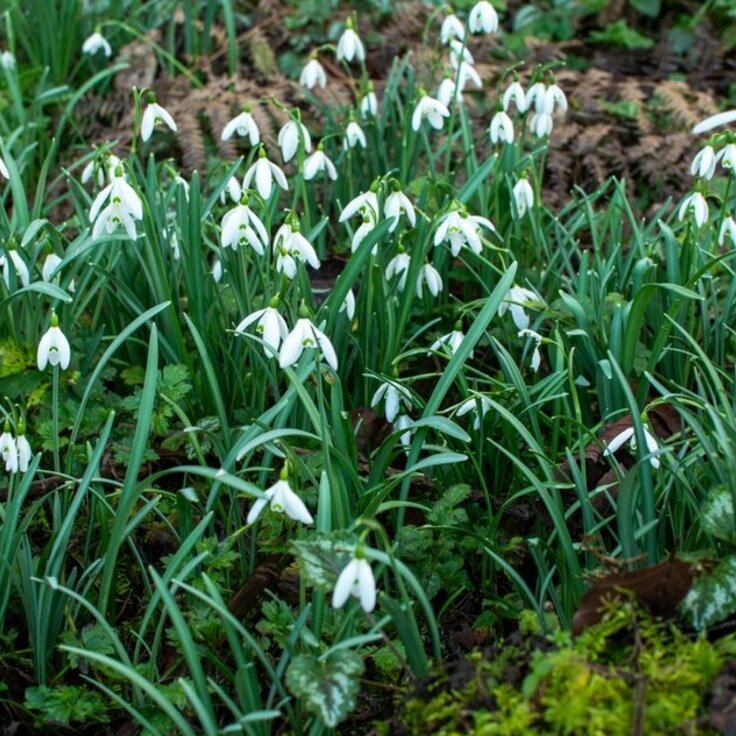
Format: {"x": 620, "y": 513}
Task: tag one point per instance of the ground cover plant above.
{"x": 353, "y": 360}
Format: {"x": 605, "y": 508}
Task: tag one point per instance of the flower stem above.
{"x": 55, "y": 418}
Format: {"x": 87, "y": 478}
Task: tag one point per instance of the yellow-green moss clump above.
{"x": 629, "y": 668}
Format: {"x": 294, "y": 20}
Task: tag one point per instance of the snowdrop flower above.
{"x": 404, "y": 424}
{"x": 728, "y": 227}
{"x": 629, "y": 435}
{"x": 154, "y": 115}
{"x": 232, "y": 189}
{"x": 517, "y": 297}
{"x": 354, "y": 136}
{"x": 114, "y": 215}
{"x": 727, "y": 157}
{"x": 282, "y": 499}
{"x": 356, "y": 579}
{"x": 217, "y": 270}
{"x": 536, "y": 355}
{"x": 118, "y": 191}
{"x": 714, "y": 121}
{"x": 369, "y": 103}
{"x": 349, "y": 45}
{"x": 461, "y": 229}
{"x": 397, "y": 204}
{"x": 398, "y": 266}
{"x": 704, "y": 163}
{"x": 471, "y": 405}
{"x": 515, "y": 93}
{"x": 452, "y": 27}
{"x": 523, "y": 197}
{"x": 270, "y": 325}
{"x": 286, "y": 264}
{"x": 433, "y": 110}
{"x": 502, "y": 129}
{"x": 360, "y": 235}
{"x": 365, "y": 203}
{"x": 124, "y": 205}
{"x": 289, "y": 137}
{"x": 554, "y": 97}
{"x": 242, "y": 125}
{"x": 318, "y": 162}
{"x": 483, "y": 18}
{"x": 306, "y": 335}
{"x": 697, "y": 203}
{"x": 264, "y": 172}
{"x": 18, "y": 264}
{"x": 53, "y": 347}
{"x": 466, "y": 73}
{"x": 289, "y": 238}
{"x": 348, "y": 305}
{"x": 393, "y": 394}
{"x": 313, "y": 74}
{"x": 541, "y": 124}
{"x": 8, "y": 450}
{"x": 23, "y": 447}
{"x": 537, "y": 95}
{"x": 429, "y": 275}
{"x": 459, "y": 53}
{"x": 451, "y": 341}
{"x": 7, "y": 61}
{"x": 105, "y": 170}
{"x": 94, "y": 43}
{"x": 50, "y": 266}
{"x": 174, "y": 243}
{"x": 449, "y": 91}
{"x": 241, "y": 226}
{"x": 4, "y": 169}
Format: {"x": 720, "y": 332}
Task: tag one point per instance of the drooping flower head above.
{"x": 94, "y": 43}
{"x": 306, "y": 335}
{"x": 242, "y": 125}
{"x": 349, "y": 45}
{"x": 53, "y": 347}
{"x": 282, "y": 499}
{"x": 265, "y": 173}
{"x": 356, "y": 579}
{"x": 155, "y": 115}
{"x": 313, "y": 74}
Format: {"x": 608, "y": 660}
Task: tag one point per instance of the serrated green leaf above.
{"x": 328, "y": 684}
{"x": 713, "y": 595}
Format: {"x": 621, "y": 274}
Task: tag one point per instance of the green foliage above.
{"x": 328, "y": 684}
{"x": 578, "y": 687}
{"x": 440, "y": 550}
{"x": 67, "y": 704}
{"x": 622, "y": 34}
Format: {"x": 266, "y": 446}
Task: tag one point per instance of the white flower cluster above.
{"x": 15, "y": 452}
{"x": 721, "y": 149}
{"x": 289, "y": 346}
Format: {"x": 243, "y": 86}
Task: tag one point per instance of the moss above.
{"x": 629, "y": 664}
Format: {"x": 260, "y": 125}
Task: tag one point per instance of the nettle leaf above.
{"x": 713, "y": 595}
{"x": 717, "y": 514}
{"x": 328, "y": 684}
{"x": 322, "y": 558}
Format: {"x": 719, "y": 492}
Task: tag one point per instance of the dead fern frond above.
{"x": 686, "y": 105}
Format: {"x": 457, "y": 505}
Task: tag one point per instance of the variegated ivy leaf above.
{"x": 713, "y": 595}
{"x": 322, "y": 558}
{"x": 717, "y": 514}
{"x": 328, "y": 684}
